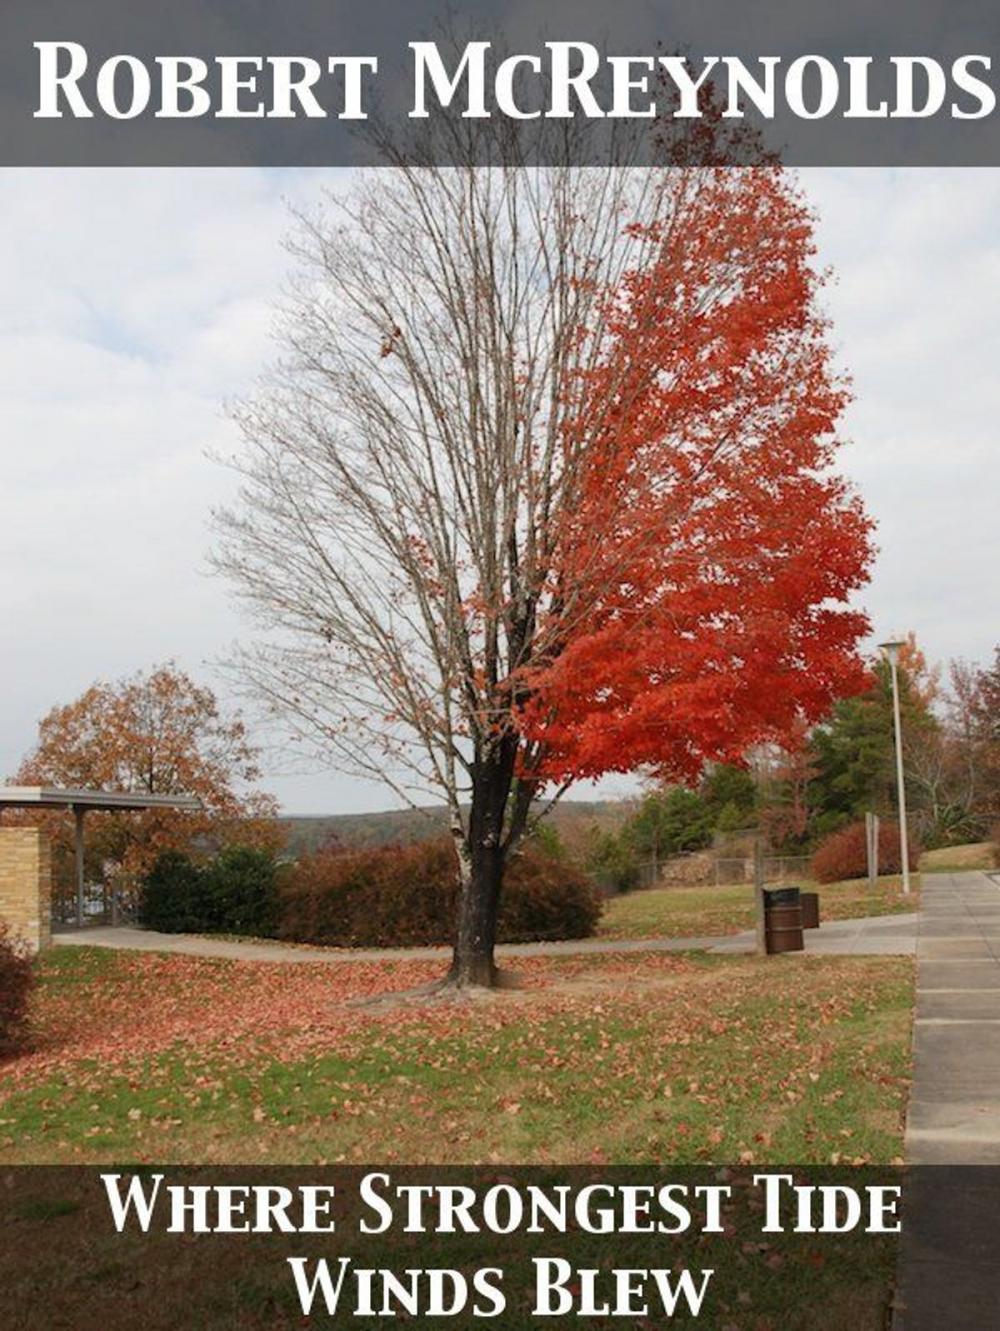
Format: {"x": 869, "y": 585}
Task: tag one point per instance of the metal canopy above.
{"x": 85, "y": 801}
{"x": 31, "y": 797}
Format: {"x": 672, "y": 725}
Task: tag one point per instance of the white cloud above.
{"x": 137, "y": 302}
{"x": 917, "y": 256}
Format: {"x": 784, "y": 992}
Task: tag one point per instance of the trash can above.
{"x": 783, "y": 920}
{"x": 810, "y": 909}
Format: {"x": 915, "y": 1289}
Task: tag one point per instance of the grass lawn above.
{"x": 955, "y": 859}
{"x": 683, "y": 912}
{"x": 637, "y": 1058}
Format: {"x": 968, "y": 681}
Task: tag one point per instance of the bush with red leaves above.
{"x": 546, "y": 898}
{"x": 400, "y": 896}
{"x": 17, "y": 976}
{"x": 843, "y": 854}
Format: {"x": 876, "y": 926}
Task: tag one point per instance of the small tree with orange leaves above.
{"x": 155, "y": 733}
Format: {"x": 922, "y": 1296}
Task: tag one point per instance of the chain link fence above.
{"x": 706, "y": 868}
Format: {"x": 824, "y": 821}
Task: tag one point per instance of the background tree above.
{"x": 924, "y": 679}
{"x": 987, "y": 706}
{"x": 610, "y": 859}
{"x": 542, "y": 488}
{"x": 666, "y": 823}
{"x": 852, "y": 751}
{"x": 157, "y": 733}
{"x": 964, "y": 770}
{"x": 985, "y": 725}
{"x": 786, "y": 774}
{"x": 951, "y": 751}
{"x": 730, "y": 794}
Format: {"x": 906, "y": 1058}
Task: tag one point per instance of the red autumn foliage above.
{"x": 399, "y": 896}
{"x": 16, "y": 980}
{"x": 843, "y": 854}
{"x": 709, "y": 548}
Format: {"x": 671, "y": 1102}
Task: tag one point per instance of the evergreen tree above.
{"x": 730, "y": 793}
{"x": 853, "y": 752}
{"x": 668, "y": 822}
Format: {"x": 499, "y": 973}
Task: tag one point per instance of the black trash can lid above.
{"x": 782, "y": 896}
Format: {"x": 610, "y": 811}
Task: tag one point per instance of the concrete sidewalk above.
{"x": 883, "y": 935}
{"x": 954, "y": 1114}
{"x": 196, "y": 945}
{"x": 950, "y": 1250}
{"x": 869, "y": 936}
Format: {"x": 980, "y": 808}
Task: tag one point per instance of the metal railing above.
{"x": 102, "y": 905}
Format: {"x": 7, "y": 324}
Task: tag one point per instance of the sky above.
{"x": 136, "y": 303}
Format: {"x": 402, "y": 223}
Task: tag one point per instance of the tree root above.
{"x": 445, "y": 991}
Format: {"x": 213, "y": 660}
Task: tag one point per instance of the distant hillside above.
{"x": 573, "y": 820}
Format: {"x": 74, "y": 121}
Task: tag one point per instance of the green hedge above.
{"x": 236, "y": 893}
{"x": 171, "y": 895}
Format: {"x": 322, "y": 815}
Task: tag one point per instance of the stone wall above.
{"x": 26, "y": 884}
{"x": 693, "y": 869}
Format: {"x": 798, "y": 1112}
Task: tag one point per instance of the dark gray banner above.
{"x": 503, "y": 1247}
{"x": 328, "y": 83}
{"x": 793, "y": 1247}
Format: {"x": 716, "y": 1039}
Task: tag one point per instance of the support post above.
{"x": 78, "y": 818}
{"x": 758, "y": 889}
{"x": 900, "y": 778}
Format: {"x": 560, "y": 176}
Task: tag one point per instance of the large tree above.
{"x": 542, "y": 488}
{"x": 155, "y": 733}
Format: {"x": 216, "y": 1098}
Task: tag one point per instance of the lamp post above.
{"x": 890, "y": 650}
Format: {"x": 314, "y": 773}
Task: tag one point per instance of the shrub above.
{"x": 171, "y": 895}
{"x": 375, "y": 896}
{"x": 544, "y": 898}
{"x": 843, "y": 854}
{"x": 235, "y": 893}
{"x": 402, "y": 896}
{"x": 17, "y": 977}
{"x": 953, "y": 827}
{"x": 995, "y": 838}
{"x": 239, "y": 893}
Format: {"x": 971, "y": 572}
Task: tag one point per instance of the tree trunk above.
{"x": 481, "y": 865}
{"x": 482, "y": 878}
